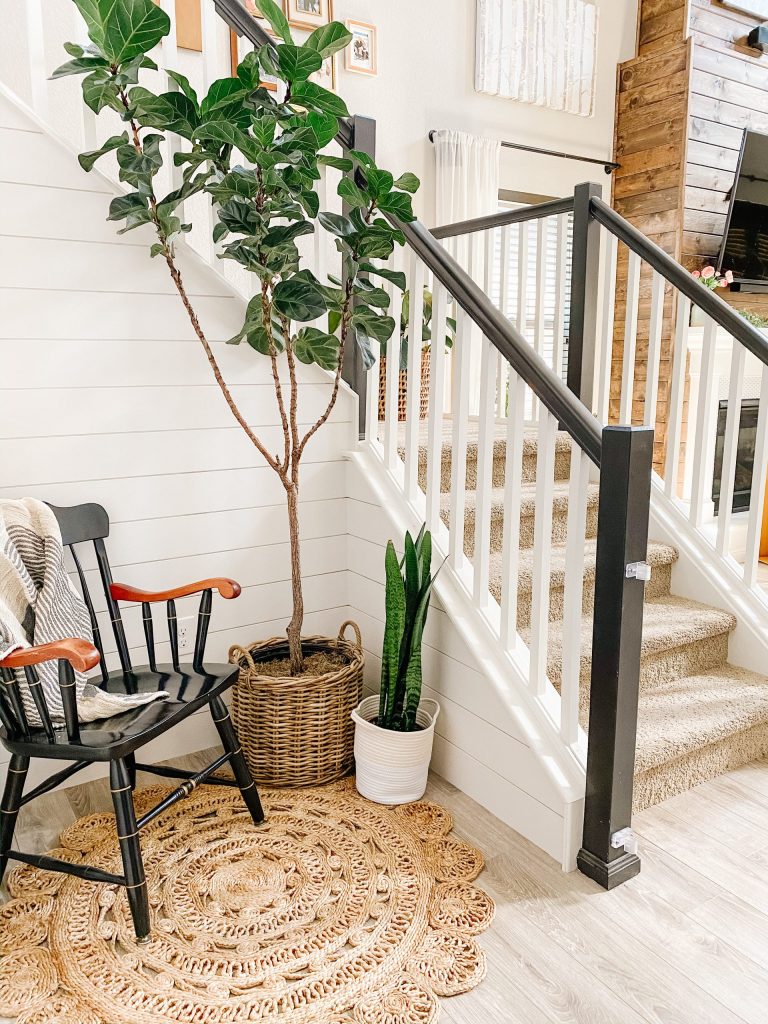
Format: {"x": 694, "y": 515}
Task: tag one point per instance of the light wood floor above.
{"x": 686, "y": 942}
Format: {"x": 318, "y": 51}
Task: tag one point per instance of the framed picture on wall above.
{"x": 309, "y": 13}
{"x": 361, "y": 52}
{"x": 326, "y": 76}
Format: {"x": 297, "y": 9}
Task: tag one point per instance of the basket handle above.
{"x": 236, "y": 653}
{"x": 356, "y": 628}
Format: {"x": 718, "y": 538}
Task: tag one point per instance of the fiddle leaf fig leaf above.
{"x": 337, "y": 224}
{"x": 300, "y": 297}
{"x": 297, "y": 63}
{"x": 378, "y": 327}
{"x": 315, "y": 97}
{"x": 100, "y": 90}
{"x": 397, "y": 277}
{"x": 408, "y": 183}
{"x": 340, "y": 163}
{"x": 274, "y": 15}
{"x": 79, "y": 66}
{"x": 133, "y": 208}
{"x": 398, "y": 203}
{"x": 87, "y": 160}
{"x": 122, "y": 29}
{"x": 183, "y": 83}
{"x": 329, "y": 39}
{"x": 379, "y": 183}
{"x": 171, "y": 111}
{"x": 315, "y": 346}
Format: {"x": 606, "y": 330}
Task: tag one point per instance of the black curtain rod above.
{"x": 608, "y": 165}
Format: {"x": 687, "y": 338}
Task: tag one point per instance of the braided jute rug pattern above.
{"x": 336, "y": 911}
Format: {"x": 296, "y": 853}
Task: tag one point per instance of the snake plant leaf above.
{"x": 329, "y": 39}
{"x": 413, "y": 673}
{"x": 393, "y": 634}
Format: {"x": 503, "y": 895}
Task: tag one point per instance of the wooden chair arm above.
{"x": 227, "y": 588}
{"x": 81, "y": 654}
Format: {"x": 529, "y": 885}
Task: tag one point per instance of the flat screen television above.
{"x": 745, "y": 242}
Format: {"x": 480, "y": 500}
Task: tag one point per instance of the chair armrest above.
{"x": 81, "y": 655}
{"x": 227, "y": 588}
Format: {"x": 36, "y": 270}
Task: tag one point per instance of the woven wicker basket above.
{"x": 298, "y": 732}
{"x": 402, "y": 389}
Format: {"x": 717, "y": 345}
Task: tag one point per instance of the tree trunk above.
{"x": 297, "y": 620}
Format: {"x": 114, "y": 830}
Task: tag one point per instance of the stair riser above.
{"x": 527, "y": 524}
{"x": 658, "y": 586}
{"x": 658, "y": 668}
{"x": 562, "y": 468}
{"x": 673, "y": 777}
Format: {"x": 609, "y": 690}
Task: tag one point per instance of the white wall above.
{"x": 426, "y": 80}
{"x": 106, "y": 396}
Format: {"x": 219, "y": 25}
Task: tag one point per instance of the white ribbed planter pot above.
{"x": 392, "y": 766}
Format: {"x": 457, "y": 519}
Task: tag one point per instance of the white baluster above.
{"x": 459, "y": 412}
{"x": 38, "y": 69}
{"x": 703, "y": 452}
{"x": 573, "y": 597}
{"x": 436, "y": 402}
{"x": 558, "y": 336}
{"x": 607, "y": 325}
{"x": 630, "y": 338}
{"x": 730, "y": 447}
{"x": 677, "y": 397}
{"x": 504, "y": 293}
{"x": 541, "y": 284}
{"x": 522, "y": 276}
{"x": 542, "y": 548}
{"x": 372, "y": 393}
{"x": 170, "y": 60}
{"x": 413, "y": 393}
{"x": 211, "y": 23}
{"x": 757, "y": 497}
{"x": 654, "y": 350}
{"x": 391, "y": 399}
{"x": 484, "y": 489}
{"x": 513, "y": 476}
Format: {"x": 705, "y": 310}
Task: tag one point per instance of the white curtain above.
{"x": 467, "y": 184}
{"x": 467, "y": 176}
{"x": 538, "y": 51}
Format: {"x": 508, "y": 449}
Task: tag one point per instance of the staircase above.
{"x": 698, "y": 715}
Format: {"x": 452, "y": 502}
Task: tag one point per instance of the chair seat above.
{"x": 118, "y": 736}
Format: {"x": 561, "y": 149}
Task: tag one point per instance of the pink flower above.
{"x": 708, "y": 272}
{"x": 696, "y": 273}
{"x": 722, "y": 283}
{"x": 729, "y": 276}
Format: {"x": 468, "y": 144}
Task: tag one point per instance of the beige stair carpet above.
{"x": 699, "y": 716}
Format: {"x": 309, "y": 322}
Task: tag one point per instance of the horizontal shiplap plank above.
{"x": 38, "y": 312}
{"x": 12, "y": 117}
{"x": 35, "y": 159}
{"x": 99, "y": 267}
{"x": 159, "y": 495}
{"x": 151, "y": 364}
{"x": 54, "y": 459}
{"x": 33, "y": 212}
{"x": 128, "y": 410}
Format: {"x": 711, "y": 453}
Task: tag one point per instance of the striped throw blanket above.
{"x": 39, "y": 604}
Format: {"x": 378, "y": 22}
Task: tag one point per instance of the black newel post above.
{"x": 622, "y": 544}
{"x": 585, "y": 274}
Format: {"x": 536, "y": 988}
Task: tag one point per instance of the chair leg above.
{"x": 242, "y": 772}
{"x": 131, "y": 765}
{"x": 9, "y": 808}
{"x": 130, "y": 848}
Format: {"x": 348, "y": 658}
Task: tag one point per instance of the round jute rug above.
{"x": 335, "y": 910}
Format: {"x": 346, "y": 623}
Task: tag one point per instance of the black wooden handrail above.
{"x": 677, "y": 275}
{"x": 551, "y": 208}
{"x": 572, "y": 414}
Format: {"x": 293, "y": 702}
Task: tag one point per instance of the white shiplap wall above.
{"x": 106, "y": 396}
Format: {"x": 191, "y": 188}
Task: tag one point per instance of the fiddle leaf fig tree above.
{"x": 257, "y": 155}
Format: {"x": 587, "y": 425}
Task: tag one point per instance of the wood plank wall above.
{"x": 648, "y": 189}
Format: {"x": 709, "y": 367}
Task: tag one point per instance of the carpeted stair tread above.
{"x": 527, "y": 499}
{"x": 690, "y": 714}
{"x": 669, "y": 624}
{"x": 658, "y": 555}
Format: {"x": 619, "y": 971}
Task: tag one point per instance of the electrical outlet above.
{"x": 186, "y": 634}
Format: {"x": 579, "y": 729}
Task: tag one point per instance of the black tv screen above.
{"x": 745, "y": 243}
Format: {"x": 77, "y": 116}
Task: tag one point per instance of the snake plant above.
{"x": 409, "y": 583}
